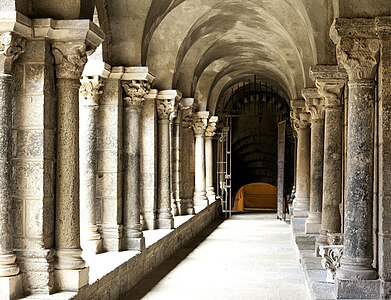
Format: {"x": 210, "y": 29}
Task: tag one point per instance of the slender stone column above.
{"x": 357, "y": 49}
{"x": 90, "y": 239}
{"x": 187, "y": 161}
{"x": 136, "y": 87}
{"x": 209, "y": 133}
{"x": 175, "y": 120}
{"x": 149, "y": 161}
{"x": 70, "y": 58}
{"x": 315, "y": 106}
{"x": 200, "y": 122}
{"x": 165, "y": 107}
{"x": 11, "y": 46}
{"x": 301, "y": 125}
{"x": 330, "y": 80}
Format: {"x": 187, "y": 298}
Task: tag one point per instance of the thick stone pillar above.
{"x": 209, "y": 134}
{"x": 136, "y": 84}
{"x": 70, "y": 58}
{"x": 187, "y": 161}
{"x": 330, "y": 80}
{"x": 315, "y": 106}
{"x": 90, "y": 239}
{"x": 165, "y": 107}
{"x": 301, "y": 126}
{"x": 149, "y": 161}
{"x": 200, "y": 122}
{"x": 11, "y": 46}
{"x": 357, "y": 50}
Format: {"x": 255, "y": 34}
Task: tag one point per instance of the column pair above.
{"x": 166, "y": 102}
{"x": 136, "y": 84}
{"x": 330, "y": 81}
{"x": 315, "y": 106}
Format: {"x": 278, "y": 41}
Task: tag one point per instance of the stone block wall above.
{"x": 127, "y": 275}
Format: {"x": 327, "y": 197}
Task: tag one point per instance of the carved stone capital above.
{"x": 331, "y": 256}
{"x": 210, "y": 130}
{"x": 314, "y": 103}
{"x": 299, "y": 119}
{"x": 331, "y": 91}
{"x": 135, "y": 91}
{"x": 166, "y": 103}
{"x": 11, "y": 46}
{"x": 357, "y": 46}
{"x": 70, "y": 59}
{"x": 200, "y": 122}
{"x": 90, "y": 89}
{"x": 187, "y": 117}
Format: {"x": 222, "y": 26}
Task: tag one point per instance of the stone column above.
{"x": 165, "y": 107}
{"x": 89, "y": 236}
{"x": 301, "y": 125}
{"x": 175, "y": 160}
{"x": 70, "y": 58}
{"x": 149, "y": 161}
{"x": 200, "y": 122}
{"x": 357, "y": 49}
{"x": 315, "y": 106}
{"x": 136, "y": 86}
{"x": 384, "y": 255}
{"x": 330, "y": 80}
{"x": 187, "y": 161}
{"x": 209, "y": 133}
{"x": 11, "y": 46}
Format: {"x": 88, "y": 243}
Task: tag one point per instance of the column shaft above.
{"x": 210, "y": 191}
{"x": 176, "y": 164}
{"x": 8, "y": 265}
{"x": 165, "y": 218}
{"x": 89, "y": 237}
{"x": 132, "y": 226}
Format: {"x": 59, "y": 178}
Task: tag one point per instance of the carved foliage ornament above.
{"x": 135, "y": 91}
{"x": 199, "y": 125}
{"x": 211, "y": 128}
{"x": 359, "y": 56}
{"x": 11, "y": 46}
{"x": 90, "y": 89}
{"x": 70, "y": 59}
{"x": 331, "y": 256}
{"x": 165, "y": 107}
{"x": 187, "y": 117}
{"x": 331, "y": 91}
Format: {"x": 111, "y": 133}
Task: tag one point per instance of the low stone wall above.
{"x": 123, "y": 278}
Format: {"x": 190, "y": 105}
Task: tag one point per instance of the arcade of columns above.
{"x": 341, "y": 126}
{"x": 136, "y": 148}
{"x": 117, "y": 164}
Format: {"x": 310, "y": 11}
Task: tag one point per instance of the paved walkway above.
{"x": 250, "y": 256}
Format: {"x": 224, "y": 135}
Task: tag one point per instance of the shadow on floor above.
{"x": 152, "y": 279}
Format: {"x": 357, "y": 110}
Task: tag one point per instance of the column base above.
{"x": 187, "y": 207}
{"x": 92, "y": 246}
{"x": 356, "y": 269}
{"x": 149, "y": 221}
{"x": 321, "y": 240}
{"x": 301, "y": 207}
{"x": 38, "y": 270}
{"x": 357, "y": 289}
{"x": 210, "y": 194}
{"x": 165, "y": 223}
{"x": 111, "y": 237}
{"x": 71, "y": 280}
{"x": 313, "y": 223}
{"x": 200, "y": 199}
{"x": 69, "y": 259}
{"x": 11, "y": 287}
{"x": 8, "y": 266}
{"x": 133, "y": 240}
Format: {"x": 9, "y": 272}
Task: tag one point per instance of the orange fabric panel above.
{"x": 256, "y": 195}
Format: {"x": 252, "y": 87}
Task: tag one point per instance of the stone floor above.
{"x": 250, "y": 256}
